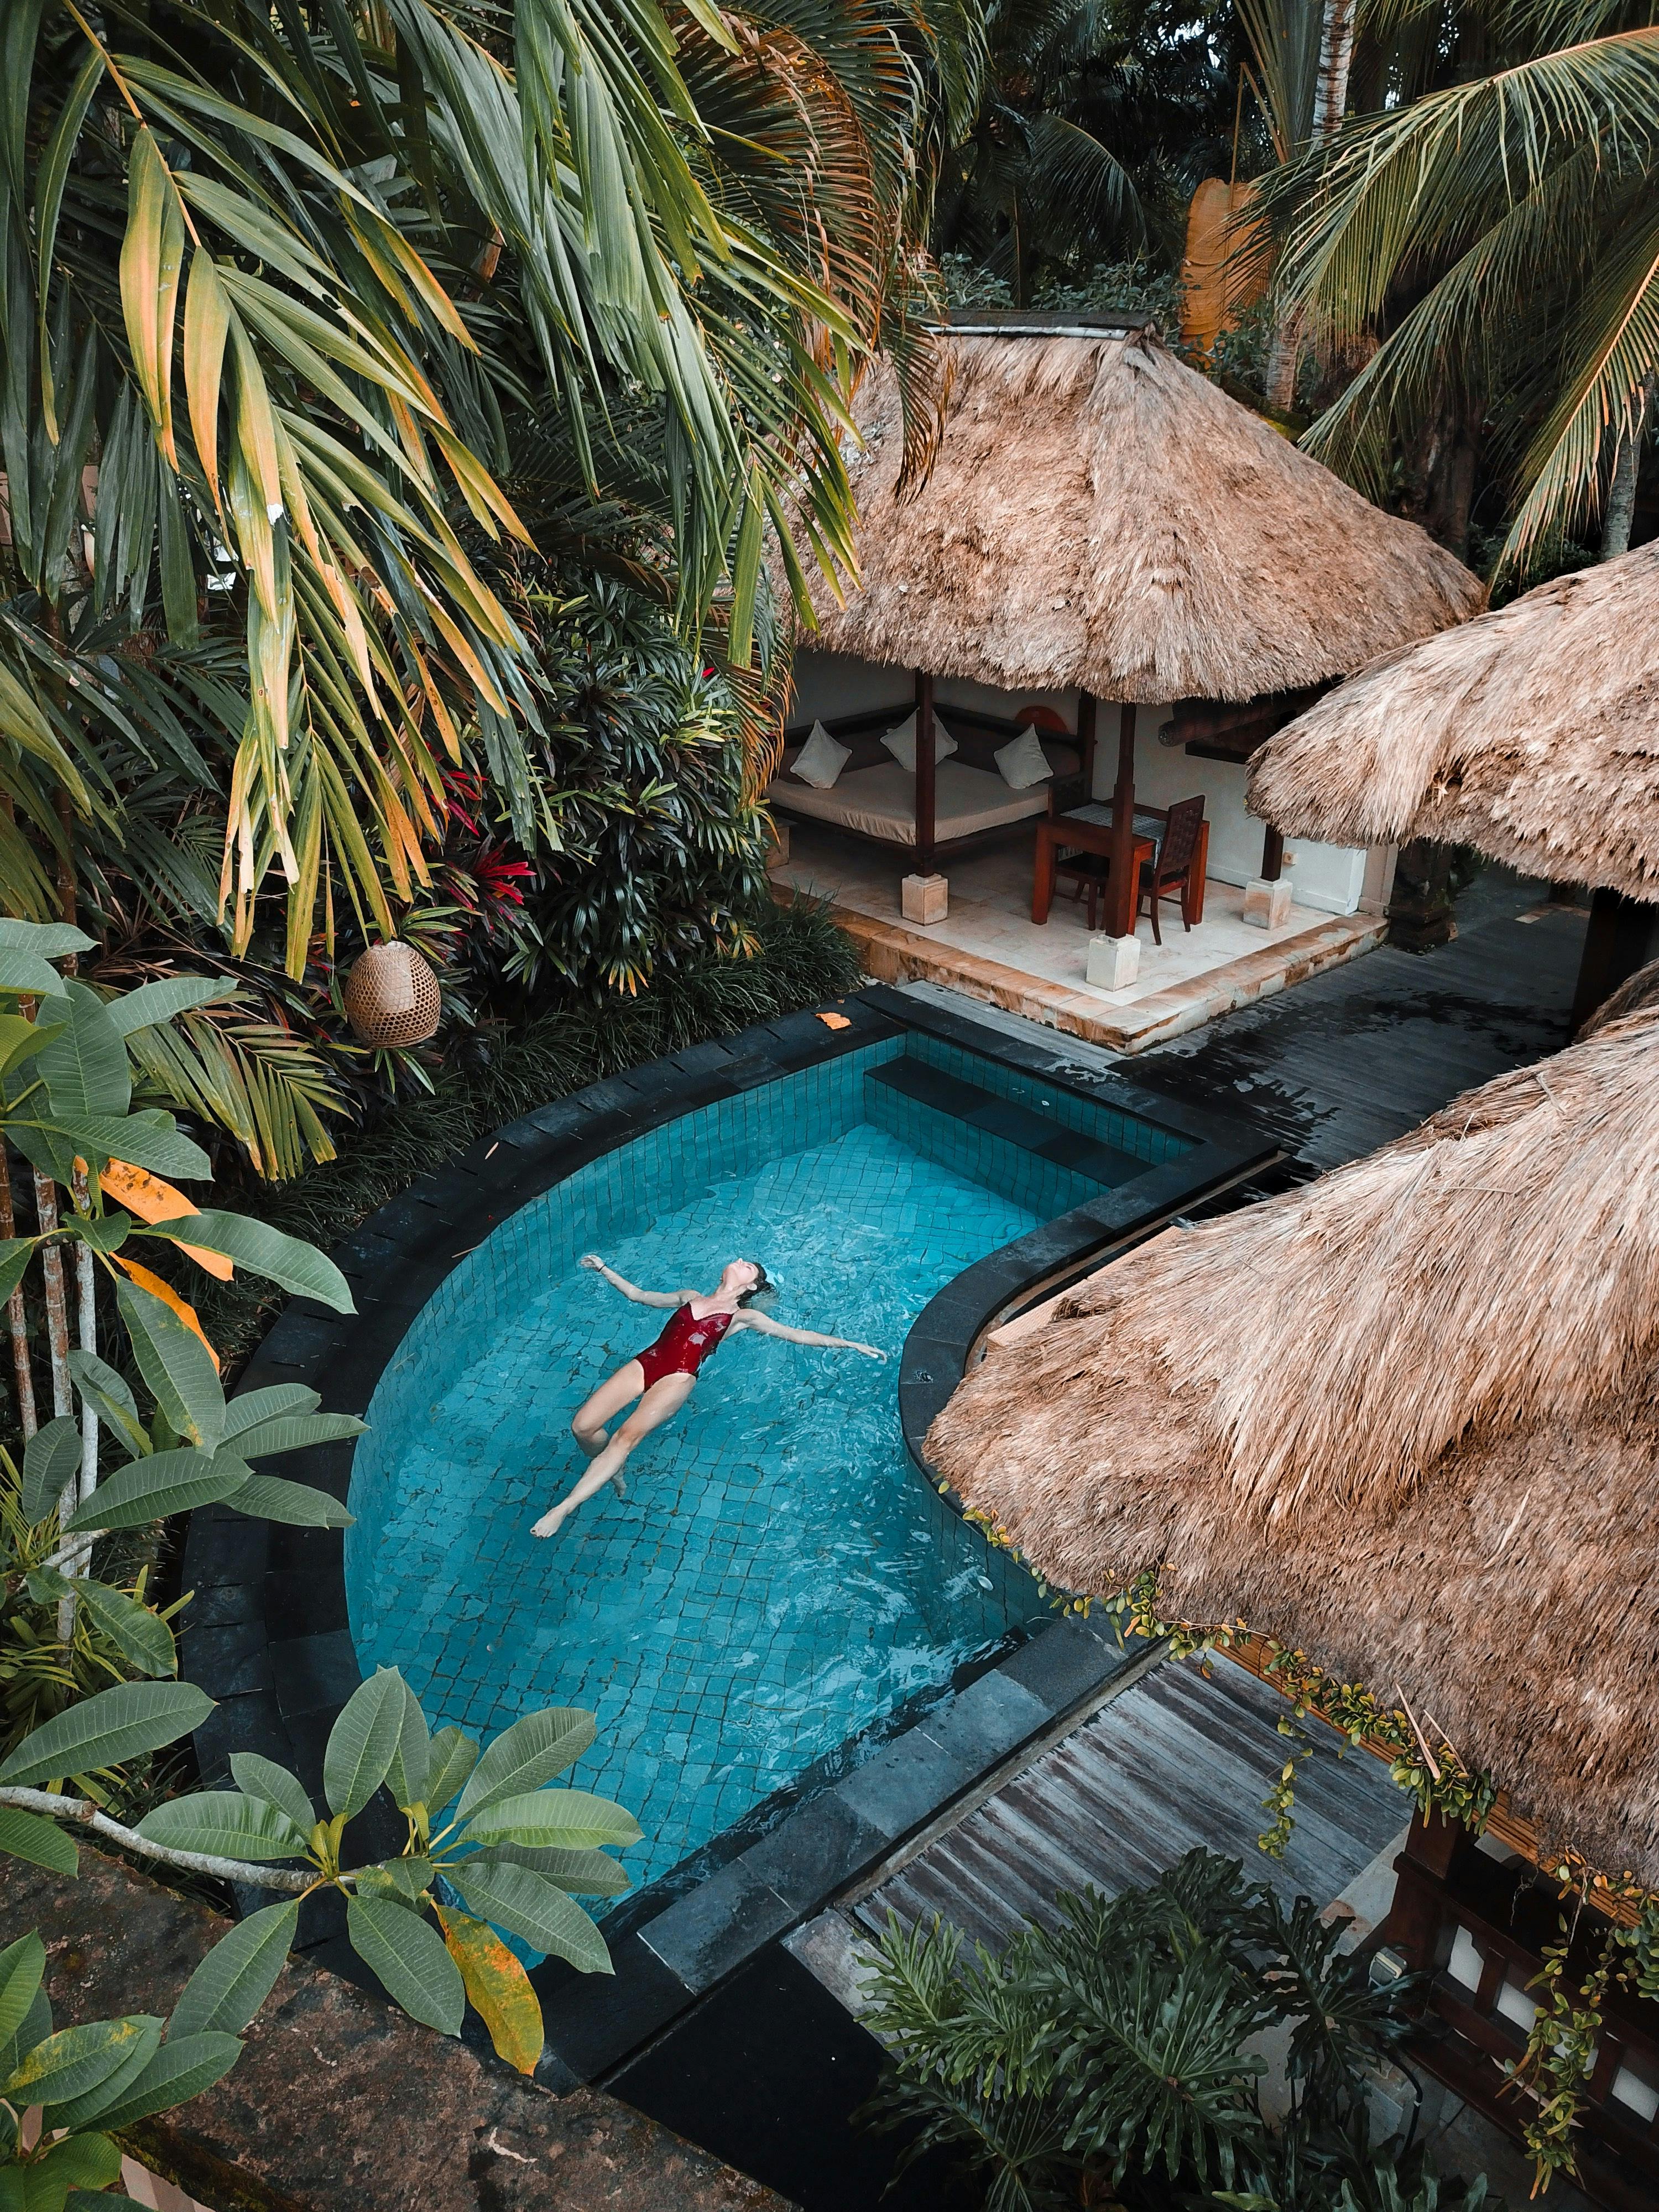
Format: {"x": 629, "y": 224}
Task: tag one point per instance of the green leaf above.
{"x": 77, "y": 2059}
{"x": 263, "y": 1778}
{"x": 147, "y": 1140}
{"x": 22, "y": 1969}
{"x": 167, "y": 1482}
{"x": 527, "y": 1754}
{"x": 51, "y": 940}
{"x": 52, "y": 1458}
{"x": 15, "y": 1252}
{"x": 25, "y": 975}
{"x": 237, "y": 1975}
{"x": 294, "y": 1504}
{"x": 41, "y": 1842}
{"x": 454, "y": 1755}
{"x": 254, "y": 1406}
{"x": 410, "y": 1770}
{"x": 181, "y": 2069}
{"x": 19, "y": 1040}
{"x": 85, "y": 1068}
{"x": 363, "y": 1741}
{"x": 584, "y": 1874}
{"x": 159, "y": 1002}
{"x": 86, "y": 2110}
{"x": 263, "y": 1250}
{"x": 105, "y": 1233}
{"x": 141, "y": 1637}
{"x": 82, "y": 2161}
{"x": 529, "y": 1907}
{"x": 568, "y": 1818}
{"x": 296, "y": 1432}
{"x": 224, "y": 1825}
{"x": 109, "y": 1393}
{"x": 175, "y": 1364}
{"x": 116, "y": 1724}
{"x": 410, "y": 1957}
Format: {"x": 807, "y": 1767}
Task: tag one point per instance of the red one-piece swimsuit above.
{"x": 684, "y": 1345}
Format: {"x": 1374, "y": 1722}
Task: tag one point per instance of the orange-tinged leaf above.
{"x": 152, "y": 1199}
{"x": 152, "y": 258}
{"x": 168, "y": 1295}
{"x": 497, "y": 1987}
{"x": 207, "y": 325}
{"x": 256, "y": 426}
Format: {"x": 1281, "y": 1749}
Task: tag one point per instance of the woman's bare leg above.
{"x": 659, "y": 1403}
{"x": 617, "y": 1390}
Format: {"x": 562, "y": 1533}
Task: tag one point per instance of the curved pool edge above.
{"x": 268, "y": 1634}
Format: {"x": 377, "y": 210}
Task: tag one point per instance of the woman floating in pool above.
{"x": 662, "y": 1376}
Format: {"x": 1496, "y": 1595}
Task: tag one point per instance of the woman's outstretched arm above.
{"x": 768, "y": 1326}
{"x": 632, "y": 1290}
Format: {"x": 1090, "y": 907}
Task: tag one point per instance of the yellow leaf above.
{"x": 498, "y": 1988}
{"x": 168, "y": 1297}
{"x": 152, "y": 257}
{"x": 256, "y": 426}
{"x": 207, "y": 324}
{"x": 152, "y": 1199}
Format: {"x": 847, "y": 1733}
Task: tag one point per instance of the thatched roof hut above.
{"x": 1402, "y": 1420}
{"x": 1532, "y": 734}
{"x": 1099, "y": 515}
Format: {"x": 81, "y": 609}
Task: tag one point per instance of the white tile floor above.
{"x": 990, "y": 914}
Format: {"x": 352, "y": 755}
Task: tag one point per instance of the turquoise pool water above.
{"x": 779, "y": 1576}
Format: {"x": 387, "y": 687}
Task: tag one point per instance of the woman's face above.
{"x": 742, "y": 1275}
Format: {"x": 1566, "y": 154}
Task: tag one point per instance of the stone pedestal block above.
{"x": 1267, "y": 904}
{"x": 924, "y": 899}
{"x": 1114, "y": 962}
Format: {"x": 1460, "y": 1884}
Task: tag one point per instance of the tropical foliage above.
{"x": 488, "y": 1846}
{"x": 86, "y": 2082}
{"x": 1497, "y": 234}
{"x": 1118, "y": 2055}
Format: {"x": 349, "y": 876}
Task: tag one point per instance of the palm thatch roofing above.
{"x": 1098, "y": 514}
{"x": 1402, "y": 1420}
{"x": 1532, "y": 734}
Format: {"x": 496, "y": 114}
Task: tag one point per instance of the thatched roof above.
{"x": 1100, "y": 514}
{"x": 1532, "y": 734}
{"x": 1402, "y": 1420}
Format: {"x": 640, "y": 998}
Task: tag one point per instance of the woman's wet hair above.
{"x": 762, "y": 1288}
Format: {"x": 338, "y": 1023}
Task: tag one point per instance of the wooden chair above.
{"x": 1169, "y": 874}
{"x": 1088, "y": 871}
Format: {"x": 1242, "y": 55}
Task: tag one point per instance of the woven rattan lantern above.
{"x": 392, "y": 996}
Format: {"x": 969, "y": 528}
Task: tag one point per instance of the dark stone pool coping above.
{"x": 267, "y": 1632}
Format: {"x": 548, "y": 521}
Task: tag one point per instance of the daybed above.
{"x": 965, "y": 803}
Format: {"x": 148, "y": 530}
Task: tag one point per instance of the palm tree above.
{"x": 1503, "y": 233}
{"x": 279, "y": 292}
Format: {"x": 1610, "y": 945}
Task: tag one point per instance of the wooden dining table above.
{"x": 1088, "y": 830}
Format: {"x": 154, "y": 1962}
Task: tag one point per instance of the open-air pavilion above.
{"x": 1400, "y": 1421}
{"x": 1531, "y": 733}
{"x": 1102, "y": 528}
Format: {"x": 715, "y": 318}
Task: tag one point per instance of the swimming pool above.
{"x": 780, "y": 1578}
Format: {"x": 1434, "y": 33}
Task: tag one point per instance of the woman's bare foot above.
{"x": 550, "y": 1524}
{"x": 619, "y": 1485}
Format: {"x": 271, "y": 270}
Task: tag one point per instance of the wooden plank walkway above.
{"x": 1178, "y": 1760}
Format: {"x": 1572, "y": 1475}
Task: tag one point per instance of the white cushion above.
{"x": 821, "y": 760}
{"x": 902, "y": 743}
{"x": 1023, "y": 761}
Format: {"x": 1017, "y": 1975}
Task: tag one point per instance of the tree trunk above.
{"x": 17, "y": 1315}
{"x": 51, "y": 1268}
{"x": 1336, "y": 36}
{"x": 78, "y": 1494}
{"x": 1621, "y": 510}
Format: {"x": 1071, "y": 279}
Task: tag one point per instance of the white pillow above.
{"x": 1023, "y": 761}
{"x": 821, "y": 760}
{"x": 902, "y": 743}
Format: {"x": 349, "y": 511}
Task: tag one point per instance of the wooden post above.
{"x": 1085, "y": 741}
{"x": 1623, "y": 936}
{"x": 1123, "y": 886}
{"x": 1273, "y": 855}
{"x": 925, "y": 774}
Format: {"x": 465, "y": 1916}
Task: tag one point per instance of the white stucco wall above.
{"x": 1330, "y": 878}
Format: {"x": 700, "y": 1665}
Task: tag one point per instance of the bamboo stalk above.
{"x": 51, "y": 1268}
{"x": 76, "y": 1493}
{"x": 16, "y": 1315}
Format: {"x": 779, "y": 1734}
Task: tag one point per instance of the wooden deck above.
{"x": 1178, "y": 1760}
